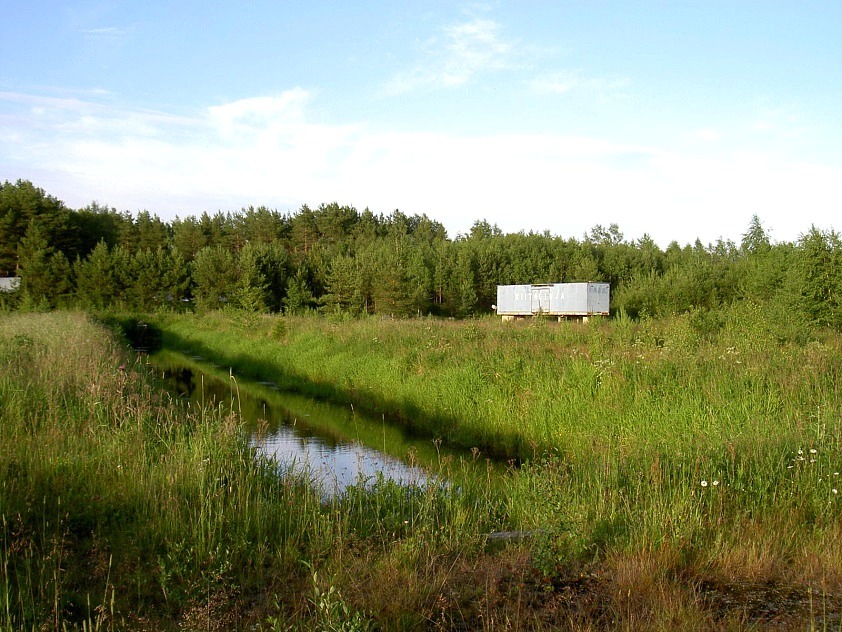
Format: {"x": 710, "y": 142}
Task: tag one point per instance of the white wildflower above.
{"x": 834, "y": 490}
{"x": 704, "y": 483}
{"x": 715, "y": 483}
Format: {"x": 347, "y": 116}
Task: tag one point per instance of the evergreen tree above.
{"x": 299, "y": 298}
{"x": 96, "y": 285}
{"x": 34, "y": 256}
{"x": 20, "y": 204}
{"x": 261, "y": 225}
{"x": 188, "y": 237}
{"x": 97, "y": 222}
{"x": 156, "y": 278}
{"x": 465, "y": 295}
{"x": 304, "y": 233}
{"x": 214, "y": 275}
{"x": 147, "y": 232}
{"x": 252, "y": 288}
{"x": 820, "y": 276}
{"x": 342, "y": 289}
{"x": 176, "y": 276}
{"x": 62, "y": 285}
{"x": 755, "y": 239}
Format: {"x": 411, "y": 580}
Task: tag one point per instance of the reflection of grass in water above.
{"x": 263, "y": 408}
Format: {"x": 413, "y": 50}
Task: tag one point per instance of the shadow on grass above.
{"x": 406, "y": 414}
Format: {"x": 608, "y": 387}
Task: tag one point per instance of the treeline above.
{"x": 335, "y": 259}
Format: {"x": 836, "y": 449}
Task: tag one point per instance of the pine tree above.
{"x": 214, "y": 275}
{"x": 96, "y": 285}
{"x": 299, "y": 298}
{"x": 252, "y": 288}
{"x": 34, "y": 256}
{"x": 820, "y": 276}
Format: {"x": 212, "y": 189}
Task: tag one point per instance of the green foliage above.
{"x": 188, "y": 237}
{"x": 819, "y": 277}
{"x": 98, "y": 278}
{"x": 157, "y": 278}
{"x": 339, "y": 261}
{"x": 707, "y": 322}
{"x": 299, "y": 299}
{"x": 343, "y": 287}
{"x": 147, "y": 232}
{"x": 21, "y": 204}
{"x": 214, "y": 276}
{"x": 263, "y": 270}
{"x": 97, "y": 222}
{"x": 45, "y": 274}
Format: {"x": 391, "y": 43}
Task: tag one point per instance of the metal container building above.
{"x": 9, "y": 284}
{"x": 555, "y": 299}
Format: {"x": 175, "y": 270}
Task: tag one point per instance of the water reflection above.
{"x": 335, "y": 466}
{"x": 336, "y": 446}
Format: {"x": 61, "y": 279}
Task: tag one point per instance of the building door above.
{"x": 540, "y": 299}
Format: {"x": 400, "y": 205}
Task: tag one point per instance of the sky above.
{"x": 679, "y": 120}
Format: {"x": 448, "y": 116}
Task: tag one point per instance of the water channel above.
{"x": 335, "y": 445}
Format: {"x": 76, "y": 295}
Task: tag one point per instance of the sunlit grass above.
{"x": 639, "y": 436}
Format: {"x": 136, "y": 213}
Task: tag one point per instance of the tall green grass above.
{"x": 672, "y": 478}
{"x": 521, "y": 390}
{"x": 715, "y": 454}
{"x": 106, "y": 484}
{"x": 121, "y": 509}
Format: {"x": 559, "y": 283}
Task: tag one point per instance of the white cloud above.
{"x": 108, "y": 36}
{"x": 261, "y": 112}
{"x": 567, "y": 81}
{"x": 706, "y": 135}
{"x": 457, "y": 55}
{"x": 107, "y": 31}
{"x": 267, "y": 150}
{"x": 779, "y": 123}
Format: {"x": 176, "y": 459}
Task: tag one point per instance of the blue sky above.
{"x": 677, "y": 119}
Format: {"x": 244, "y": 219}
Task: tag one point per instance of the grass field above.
{"x": 673, "y": 475}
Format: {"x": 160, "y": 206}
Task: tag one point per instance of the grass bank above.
{"x": 523, "y": 390}
{"x": 122, "y": 510}
{"x": 673, "y": 452}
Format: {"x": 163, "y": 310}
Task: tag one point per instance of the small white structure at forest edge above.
{"x": 563, "y": 300}
{"x": 9, "y": 284}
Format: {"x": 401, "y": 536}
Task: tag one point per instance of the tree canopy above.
{"x": 336, "y": 259}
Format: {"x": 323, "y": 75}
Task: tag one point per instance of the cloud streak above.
{"x": 563, "y": 82}
{"x": 456, "y": 56}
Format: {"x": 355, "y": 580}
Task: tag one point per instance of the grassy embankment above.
{"x": 677, "y": 479}
{"x": 676, "y": 453}
{"x": 122, "y": 510}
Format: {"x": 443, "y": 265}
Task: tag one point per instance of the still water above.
{"x": 335, "y": 445}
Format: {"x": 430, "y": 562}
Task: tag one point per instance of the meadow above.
{"x": 673, "y": 472}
